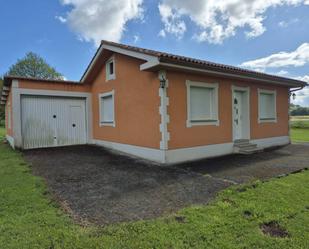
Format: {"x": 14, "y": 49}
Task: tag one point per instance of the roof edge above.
{"x": 7, "y": 80}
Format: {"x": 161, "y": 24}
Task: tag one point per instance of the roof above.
{"x": 156, "y": 60}
{"x": 7, "y": 82}
{"x": 167, "y": 58}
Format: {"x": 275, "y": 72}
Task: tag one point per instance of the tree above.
{"x": 32, "y": 65}
{"x": 2, "y": 114}
{"x": 297, "y": 110}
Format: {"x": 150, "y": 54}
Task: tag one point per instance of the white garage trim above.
{"x": 10, "y": 140}
{"x": 16, "y": 106}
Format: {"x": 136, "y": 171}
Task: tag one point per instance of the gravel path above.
{"x": 100, "y": 187}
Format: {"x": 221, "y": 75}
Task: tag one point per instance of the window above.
{"x": 107, "y": 116}
{"x": 202, "y": 104}
{"x": 110, "y": 69}
{"x": 267, "y": 106}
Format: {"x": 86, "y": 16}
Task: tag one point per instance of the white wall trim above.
{"x": 10, "y": 140}
{"x": 198, "y": 152}
{"x": 246, "y": 90}
{"x": 16, "y": 108}
{"x": 187, "y": 154}
{"x": 151, "y": 154}
{"x": 105, "y": 94}
{"x": 272, "y": 141}
{"x": 165, "y": 118}
{"x": 274, "y": 92}
{"x": 214, "y": 86}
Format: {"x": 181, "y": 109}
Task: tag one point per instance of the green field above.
{"x": 299, "y": 128}
{"x": 30, "y": 219}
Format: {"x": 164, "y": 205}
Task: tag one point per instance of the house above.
{"x": 158, "y": 106}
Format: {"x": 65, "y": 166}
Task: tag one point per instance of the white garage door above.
{"x": 52, "y": 121}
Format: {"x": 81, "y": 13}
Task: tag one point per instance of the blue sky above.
{"x": 272, "y": 37}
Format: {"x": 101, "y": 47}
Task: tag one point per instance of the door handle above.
{"x": 73, "y": 125}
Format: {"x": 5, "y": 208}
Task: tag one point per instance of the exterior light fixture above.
{"x": 294, "y": 96}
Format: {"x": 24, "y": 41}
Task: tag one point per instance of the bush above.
{"x": 2, "y": 123}
{"x": 300, "y": 124}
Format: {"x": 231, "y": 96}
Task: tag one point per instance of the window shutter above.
{"x": 107, "y": 109}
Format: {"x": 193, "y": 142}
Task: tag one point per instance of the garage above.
{"x": 51, "y": 121}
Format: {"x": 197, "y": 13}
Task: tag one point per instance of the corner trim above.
{"x": 10, "y": 141}
{"x": 165, "y": 118}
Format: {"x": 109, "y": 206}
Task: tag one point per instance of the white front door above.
{"x": 237, "y": 115}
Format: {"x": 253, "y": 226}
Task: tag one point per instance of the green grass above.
{"x": 29, "y": 219}
{"x": 2, "y": 132}
{"x": 299, "y": 135}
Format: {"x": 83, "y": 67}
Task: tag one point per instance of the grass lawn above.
{"x": 300, "y": 135}
{"x": 30, "y": 219}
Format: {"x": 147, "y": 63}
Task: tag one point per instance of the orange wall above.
{"x": 36, "y": 85}
{"x": 9, "y": 131}
{"x": 136, "y": 104}
{"x": 181, "y": 136}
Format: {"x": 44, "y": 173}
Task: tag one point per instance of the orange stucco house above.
{"x": 153, "y": 105}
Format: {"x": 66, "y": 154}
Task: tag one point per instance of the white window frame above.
{"x": 102, "y": 95}
{"x": 107, "y": 73}
{"x": 213, "y": 86}
{"x": 274, "y": 93}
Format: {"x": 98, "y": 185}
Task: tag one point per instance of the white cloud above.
{"x": 296, "y": 58}
{"x": 136, "y": 38}
{"x": 162, "y": 33}
{"x": 282, "y": 73}
{"x": 61, "y": 19}
{"x": 303, "y": 78}
{"x": 218, "y": 20}
{"x": 95, "y": 20}
{"x": 172, "y": 22}
{"x": 302, "y": 96}
{"x": 284, "y": 24}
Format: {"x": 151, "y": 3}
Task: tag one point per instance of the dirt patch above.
{"x": 273, "y": 229}
{"x": 247, "y": 214}
{"x": 180, "y": 219}
{"x": 96, "y": 186}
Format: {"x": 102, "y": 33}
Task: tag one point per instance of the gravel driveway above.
{"x": 100, "y": 187}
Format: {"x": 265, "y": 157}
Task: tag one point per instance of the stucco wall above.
{"x": 182, "y": 136}
{"x": 53, "y": 86}
{"x": 8, "y": 108}
{"x": 137, "y": 102}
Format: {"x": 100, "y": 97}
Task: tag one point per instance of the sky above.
{"x": 270, "y": 36}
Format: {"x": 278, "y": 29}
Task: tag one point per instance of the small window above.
{"x": 202, "y": 104}
{"x": 107, "y": 116}
{"x": 110, "y": 69}
{"x": 267, "y": 106}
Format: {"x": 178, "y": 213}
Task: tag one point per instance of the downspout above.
{"x": 290, "y": 93}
